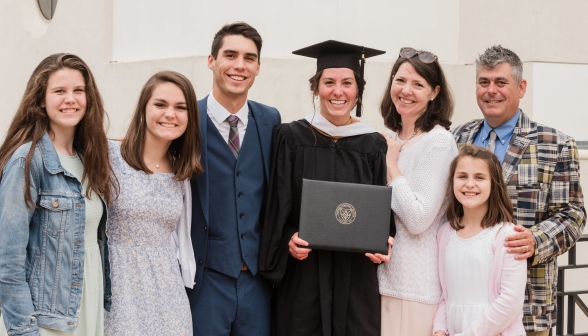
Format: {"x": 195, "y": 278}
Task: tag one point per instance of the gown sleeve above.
{"x": 379, "y": 172}
{"x": 276, "y": 231}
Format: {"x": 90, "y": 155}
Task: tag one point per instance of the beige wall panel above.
{"x": 560, "y": 29}
{"x": 392, "y": 24}
{"x": 537, "y": 30}
{"x": 461, "y": 80}
{"x": 284, "y": 84}
{"x": 560, "y": 97}
{"x": 151, "y": 29}
{"x": 124, "y": 81}
{"x": 505, "y": 22}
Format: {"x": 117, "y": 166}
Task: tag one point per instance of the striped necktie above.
{"x": 492, "y": 141}
{"x": 234, "y": 135}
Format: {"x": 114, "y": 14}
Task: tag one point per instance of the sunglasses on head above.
{"x": 425, "y": 56}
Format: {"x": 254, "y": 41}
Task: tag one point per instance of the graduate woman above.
{"x": 321, "y": 292}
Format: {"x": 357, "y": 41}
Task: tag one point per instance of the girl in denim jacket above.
{"x": 55, "y": 178}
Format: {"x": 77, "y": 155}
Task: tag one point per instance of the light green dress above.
{"x": 91, "y": 315}
{"x": 91, "y": 318}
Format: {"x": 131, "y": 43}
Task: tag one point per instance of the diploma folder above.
{"x": 345, "y": 216}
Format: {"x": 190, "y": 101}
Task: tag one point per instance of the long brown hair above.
{"x": 186, "y": 149}
{"x": 31, "y": 122}
{"x": 499, "y": 204}
{"x": 438, "y": 111}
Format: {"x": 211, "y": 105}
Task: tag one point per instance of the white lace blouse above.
{"x": 418, "y": 205}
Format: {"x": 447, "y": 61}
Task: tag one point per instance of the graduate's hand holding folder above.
{"x": 296, "y": 247}
{"x": 344, "y": 217}
{"x": 378, "y": 258}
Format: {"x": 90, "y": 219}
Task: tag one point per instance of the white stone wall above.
{"x": 184, "y": 28}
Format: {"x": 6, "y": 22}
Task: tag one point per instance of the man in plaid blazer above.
{"x": 540, "y": 167}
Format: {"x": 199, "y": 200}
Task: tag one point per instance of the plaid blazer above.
{"x": 540, "y": 169}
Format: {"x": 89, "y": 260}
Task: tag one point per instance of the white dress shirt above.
{"x": 218, "y": 114}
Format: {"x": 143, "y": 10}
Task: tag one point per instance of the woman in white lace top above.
{"x": 416, "y": 108}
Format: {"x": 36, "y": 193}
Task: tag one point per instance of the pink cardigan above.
{"x": 506, "y": 294}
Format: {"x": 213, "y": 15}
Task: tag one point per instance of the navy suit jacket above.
{"x": 265, "y": 118}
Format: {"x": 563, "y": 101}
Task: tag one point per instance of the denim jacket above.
{"x": 42, "y": 248}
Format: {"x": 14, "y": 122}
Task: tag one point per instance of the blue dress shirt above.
{"x": 503, "y": 135}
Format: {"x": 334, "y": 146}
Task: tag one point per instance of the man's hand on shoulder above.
{"x": 522, "y": 243}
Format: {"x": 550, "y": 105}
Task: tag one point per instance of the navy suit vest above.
{"x": 236, "y": 196}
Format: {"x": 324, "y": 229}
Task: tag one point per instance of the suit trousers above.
{"x": 226, "y": 306}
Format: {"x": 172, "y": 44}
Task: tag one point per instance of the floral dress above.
{"x": 148, "y": 296}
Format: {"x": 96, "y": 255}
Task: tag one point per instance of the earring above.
{"x": 432, "y": 99}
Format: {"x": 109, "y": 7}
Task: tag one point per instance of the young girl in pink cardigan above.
{"x": 483, "y": 286}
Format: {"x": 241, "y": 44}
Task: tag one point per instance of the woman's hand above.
{"x": 392, "y": 157}
{"x": 393, "y": 149}
{"x": 378, "y": 258}
{"x": 299, "y": 253}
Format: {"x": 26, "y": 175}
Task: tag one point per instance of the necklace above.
{"x": 416, "y": 130}
{"x": 153, "y": 162}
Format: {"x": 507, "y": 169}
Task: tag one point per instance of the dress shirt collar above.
{"x": 503, "y": 131}
{"x": 220, "y": 113}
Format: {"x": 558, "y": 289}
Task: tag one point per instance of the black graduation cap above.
{"x": 335, "y": 54}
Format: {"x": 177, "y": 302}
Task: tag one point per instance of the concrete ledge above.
{"x": 583, "y": 154}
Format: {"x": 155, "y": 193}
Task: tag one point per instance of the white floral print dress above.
{"x": 148, "y": 296}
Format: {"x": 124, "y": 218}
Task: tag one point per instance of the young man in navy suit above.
{"x": 229, "y": 296}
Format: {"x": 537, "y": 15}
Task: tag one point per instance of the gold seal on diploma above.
{"x": 345, "y": 213}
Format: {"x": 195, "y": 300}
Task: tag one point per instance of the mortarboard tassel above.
{"x": 360, "y": 84}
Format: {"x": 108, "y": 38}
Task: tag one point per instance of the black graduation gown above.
{"x": 328, "y": 293}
